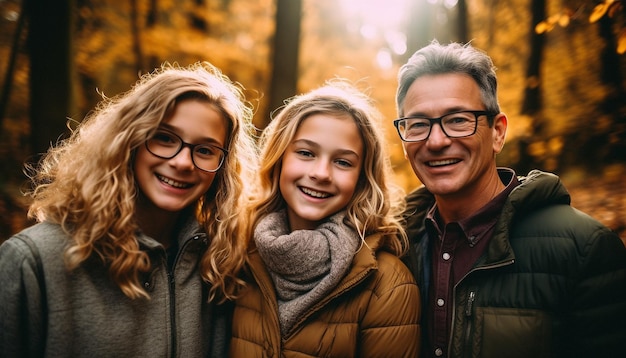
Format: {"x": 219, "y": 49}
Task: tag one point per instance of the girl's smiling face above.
{"x": 320, "y": 169}
{"x": 173, "y": 184}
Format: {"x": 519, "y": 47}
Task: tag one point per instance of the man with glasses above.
{"x": 506, "y": 267}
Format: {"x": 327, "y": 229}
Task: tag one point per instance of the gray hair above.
{"x": 435, "y": 59}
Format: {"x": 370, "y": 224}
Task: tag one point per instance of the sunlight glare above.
{"x": 450, "y": 3}
{"x": 397, "y": 41}
{"x": 384, "y": 60}
{"x": 379, "y": 19}
{"x": 11, "y": 15}
{"x": 368, "y": 31}
{"x": 382, "y": 14}
{"x": 447, "y": 3}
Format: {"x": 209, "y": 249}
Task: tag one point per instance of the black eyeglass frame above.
{"x": 191, "y": 147}
{"x": 437, "y": 120}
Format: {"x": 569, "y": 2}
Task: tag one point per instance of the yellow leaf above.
{"x": 537, "y": 149}
{"x": 554, "y": 18}
{"x": 598, "y": 12}
{"x": 541, "y": 27}
{"x": 555, "y": 144}
{"x": 621, "y": 42}
{"x": 564, "y": 20}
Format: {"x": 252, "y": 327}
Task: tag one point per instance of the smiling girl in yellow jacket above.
{"x": 324, "y": 279}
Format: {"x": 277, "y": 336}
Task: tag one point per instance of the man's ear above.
{"x": 500, "y": 123}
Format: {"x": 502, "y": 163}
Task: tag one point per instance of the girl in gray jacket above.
{"x": 138, "y": 237}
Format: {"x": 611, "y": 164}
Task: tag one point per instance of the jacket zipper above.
{"x": 172, "y": 286}
{"x": 502, "y": 264}
{"x": 468, "y": 325}
{"x": 171, "y": 280}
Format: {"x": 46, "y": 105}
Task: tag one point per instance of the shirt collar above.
{"x": 484, "y": 218}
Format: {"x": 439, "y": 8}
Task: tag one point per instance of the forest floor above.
{"x": 602, "y": 196}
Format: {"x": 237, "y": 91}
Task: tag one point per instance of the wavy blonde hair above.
{"x": 377, "y": 203}
{"x": 87, "y": 185}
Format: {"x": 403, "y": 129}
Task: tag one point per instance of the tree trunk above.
{"x": 462, "y": 28}
{"x": 198, "y": 22}
{"x": 10, "y": 71}
{"x": 532, "y": 93}
{"x": 284, "y": 80}
{"x": 611, "y": 144}
{"x": 49, "y": 45}
{"x": 531, "y": 103}
{"x": 152, "y": 16}
{"x": 136, "y": 36}
{"x": 420, "y": 27}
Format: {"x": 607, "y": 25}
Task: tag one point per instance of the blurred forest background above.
{"x": 561, "y": 68}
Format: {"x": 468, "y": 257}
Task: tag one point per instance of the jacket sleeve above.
{"x": 597, "y": 322}
{"x": 390, "y": 327}
{"x": 21, "y": 300}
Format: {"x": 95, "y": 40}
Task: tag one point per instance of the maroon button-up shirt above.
{"x": 454, "y": 251}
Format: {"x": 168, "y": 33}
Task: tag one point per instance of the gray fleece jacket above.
{"x": 46, "y": 311}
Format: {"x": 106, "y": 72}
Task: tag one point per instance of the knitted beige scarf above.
{"x": 305, "y": 265}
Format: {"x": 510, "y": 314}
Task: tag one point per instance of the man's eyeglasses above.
{"x": 454, "y": 125}
{"x": 166, "y": 145}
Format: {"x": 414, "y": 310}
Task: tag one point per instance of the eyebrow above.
{"x": 316, "y": 145}
{"x": 204, "y": 140}
{"x": 447, "y": 111}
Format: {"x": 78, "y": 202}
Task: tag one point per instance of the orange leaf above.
{"x": 541, "y": 27}
{"x": 598, "y": 12}
{"x": 621, "y": 42}
{"x": 564, "y": 20}
{"x": 554, "y": 18}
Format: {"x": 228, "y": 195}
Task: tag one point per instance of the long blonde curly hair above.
{"x": 87, "y": 185}
{"x": 377, "y": 202}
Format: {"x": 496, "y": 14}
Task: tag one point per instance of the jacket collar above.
{"x": 537, "y": 189}
{"x": 189, "y": 230}
{"x": 363, "y": 264}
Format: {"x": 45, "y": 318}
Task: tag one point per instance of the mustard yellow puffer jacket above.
{"x": 373, "y": 312}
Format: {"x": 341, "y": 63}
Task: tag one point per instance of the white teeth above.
{"x": 173, "y": 183}
{"x": 436, "y": 163}
{"x": 314, "y": 193}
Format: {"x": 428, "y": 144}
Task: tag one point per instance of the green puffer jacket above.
{"x": 552, "y": 282}
{"x": 373, "y": 312}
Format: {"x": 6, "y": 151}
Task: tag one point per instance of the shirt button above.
{"x": 440, "y": 302}
{"x": 438, "y": 352}
{"x": 446, "y": 256}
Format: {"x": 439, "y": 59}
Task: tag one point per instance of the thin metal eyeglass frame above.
{"x": 437, "y": 120}
{"x": 191, "y": 147}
